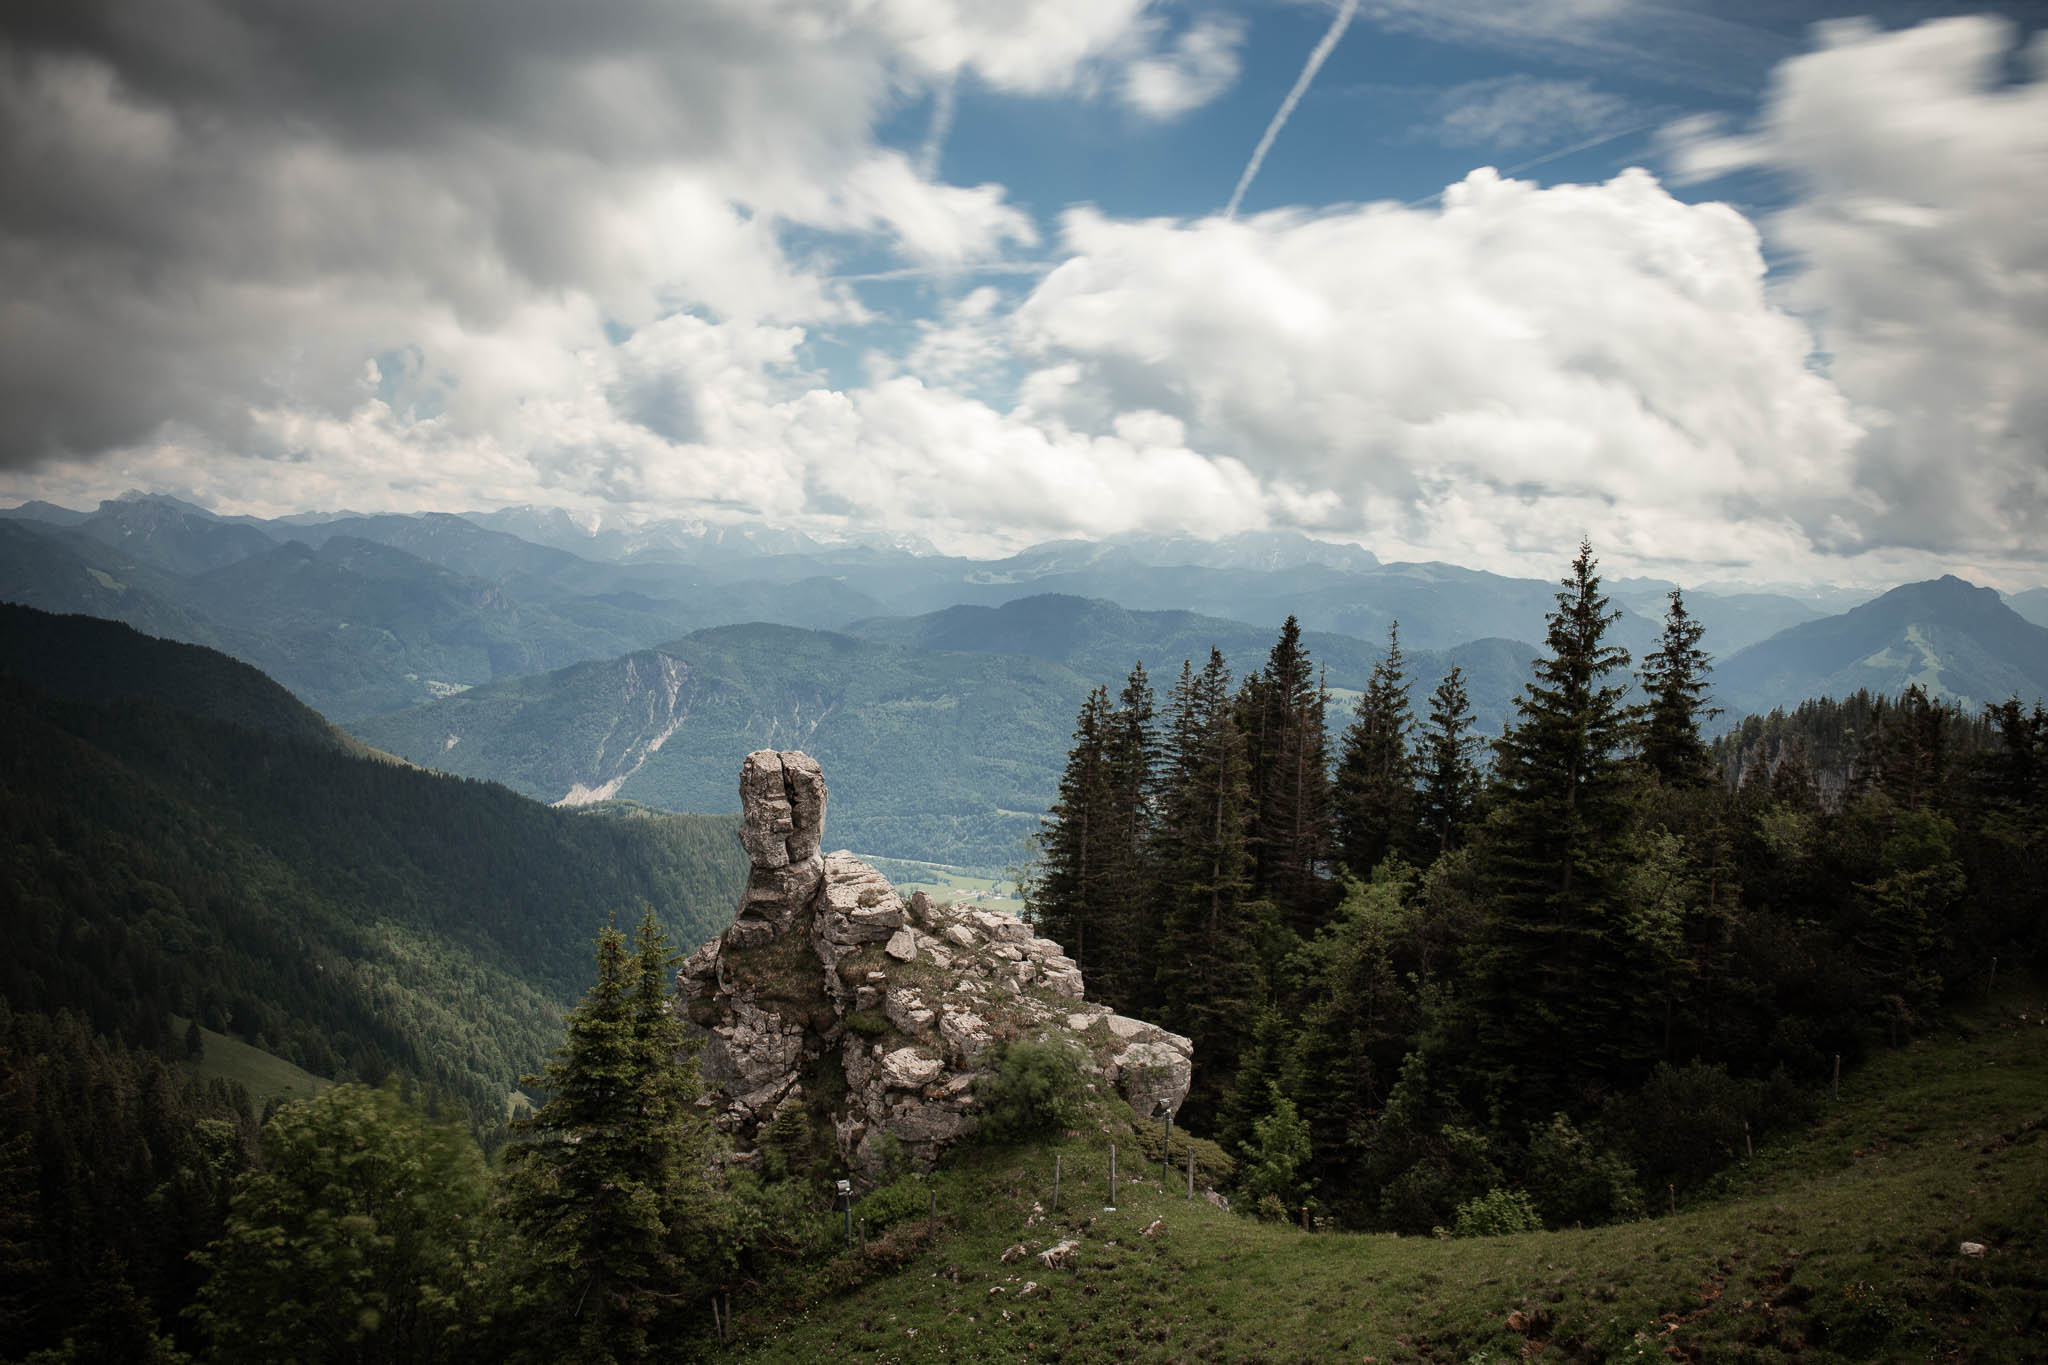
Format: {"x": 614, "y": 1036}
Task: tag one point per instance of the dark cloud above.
{"x": 215, "y": 204}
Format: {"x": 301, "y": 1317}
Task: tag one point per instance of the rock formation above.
{"x": 827, "y": 974}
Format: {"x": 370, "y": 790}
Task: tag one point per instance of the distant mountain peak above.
{"x": 1957, "y": 640}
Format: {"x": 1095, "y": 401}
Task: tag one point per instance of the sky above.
{"x": 1744, "y": 291}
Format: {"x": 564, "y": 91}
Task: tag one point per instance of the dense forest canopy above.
{"x": 1568, "y": 965}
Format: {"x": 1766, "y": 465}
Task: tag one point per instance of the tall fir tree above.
{"x": 1674, "y": 679}
{"x": 1373, "y": 794}
{"x": 1447, "y": 776}
{"x": 1130, "y": 923}
{"x": 1207, "y": 978}
{"x": 1068, "y": 895}
{"x": 1554, "y": 980}
{"x": 1282, "y": 714}
{"x": 607, "y": 1186}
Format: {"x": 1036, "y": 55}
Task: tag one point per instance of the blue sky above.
{"x": 1750, "y": 290}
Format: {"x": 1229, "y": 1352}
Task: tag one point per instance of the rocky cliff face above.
{"x": 828, "y": 979}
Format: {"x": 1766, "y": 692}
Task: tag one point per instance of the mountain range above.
{"x": 574, "y": 660}
{"x": 1956, "y": 641}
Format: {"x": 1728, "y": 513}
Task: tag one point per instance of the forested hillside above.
{"x": 351, "y": 915}
{"x": 946, "y": 757}
{"x": 1562, "y": 982}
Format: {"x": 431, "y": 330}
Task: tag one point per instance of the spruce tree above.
{"x": 1207, "y": 978}
{"x": 1447, "y": 777}
{"x": 1068, "y": 895}
{"x": 606, "y": 1185}
{"x": 1281, "y": 713}
{"x": 1674, "y": 679}
{"x": 1554, "y": 976}
{"x": 1373, "y": 798}
{"x": 1130, "y": 923}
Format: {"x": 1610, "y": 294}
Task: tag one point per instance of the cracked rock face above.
{"x": 821, "y": 939}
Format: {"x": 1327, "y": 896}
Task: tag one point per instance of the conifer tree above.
{"x": 1554, "y": 975}
{"x": 1373, "y": 799}
{"x": 1281, "y": 713}
{"x": 1448, "y": 776}
{"x": 1130, "y": 922}
{"x": 1674, "y": 678}
{"x": 607, "y": 1183}
{"x": 1208, "y": 983}
{"x": 1068, "y": 894}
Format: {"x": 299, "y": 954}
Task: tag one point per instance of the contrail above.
{"x": 1308, "y": 73}
{"x": 935, "y": 135}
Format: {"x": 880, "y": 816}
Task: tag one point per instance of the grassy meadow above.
{"x": 1837, "y": 1242}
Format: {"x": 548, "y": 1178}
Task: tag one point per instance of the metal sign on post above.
{"x": 842, "y": 1200}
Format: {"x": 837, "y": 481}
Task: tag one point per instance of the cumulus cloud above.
{"x": 1519, "y": 365}
{"x": 328, "y": 255}
{"x": 1201, "y": 65}
{"x": 1914, "y": 233}
{"x": 216, "y": 209}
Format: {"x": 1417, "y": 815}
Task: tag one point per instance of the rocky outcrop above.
{"x": 827, "y": 974}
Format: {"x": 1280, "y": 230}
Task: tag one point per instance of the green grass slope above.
{"x": 265, "y": 1077}
{"x": 1839, "y": 1243}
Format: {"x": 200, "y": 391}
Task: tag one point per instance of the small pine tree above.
{"x": 1674, "y": 678}
{"x": 1448, "y": 776}
{"x": 607, "y": 1184}
{"x": 1374, "y": 796}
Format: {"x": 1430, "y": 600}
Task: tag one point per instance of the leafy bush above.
{"x": 894, "y": 1203}
{"x": 1496, "y": 1213}
{"x": 1577, "y": 1180}
{"x": 1032, "y": 1086}
{"x": 1274, "y": 1157}
{"x": 1687, "y": 1122}
{"x": 1456, "y": 1165}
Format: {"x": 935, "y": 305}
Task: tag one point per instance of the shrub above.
{"x": 907, "y": 1198}
{"x": 1496, "y": 1213}
{"x": 1455, "y": 1164}
{"x": 1032, "y": 1086}
{"x": 1686, "y": 1122}
{"x": 1274, "y": 1157}
{"x": 1213, "y": 1166}
{"x": 867, "y": 1023}
{"x": 1577, "y": 1180}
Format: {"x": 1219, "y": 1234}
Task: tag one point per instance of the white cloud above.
{"x": 1511, "y": 112}
{"x": 195, "y": 234}
{"x": 1916, "y": 244}
{"x": 1201, "y": 65}
{"x": 1548, "y": 360}
{"x": 593, "y": 272}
